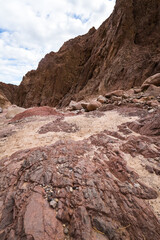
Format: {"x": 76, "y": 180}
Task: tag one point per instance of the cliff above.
{"x": 121, "y": 54}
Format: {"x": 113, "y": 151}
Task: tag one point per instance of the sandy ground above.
{"x": 26, "y": 132}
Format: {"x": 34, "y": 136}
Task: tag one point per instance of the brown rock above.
{"x": 75, "y": 105}
{"x": 93, "y": 105}
{"x": 121, "y": 54}
{"x": 117, "y": 93}
{"x": 152, "y": 90}
{"x": 4, "y": 102}
{"x": 153, "y": 80}
{"x": 9, "y": 91}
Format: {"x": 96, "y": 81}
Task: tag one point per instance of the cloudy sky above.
{"x": 31, "y": 28}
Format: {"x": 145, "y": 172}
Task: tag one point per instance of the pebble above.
{"x": 1, "y": 110}
{"x": 66, "y": 231}
{"x": 53, "y": 203}
{"x": 151, "y": 111}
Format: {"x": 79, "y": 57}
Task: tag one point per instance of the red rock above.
{"x": 149, "y": 125}
{"x": 106, "y": 195}
{"x": 36, "y": 111}
{"x": 40, "y": 220}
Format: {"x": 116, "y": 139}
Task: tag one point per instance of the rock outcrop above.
{"x": 86, "y": 176}
{"x": 121, "y": 54}
{"x": 8, "y": 91}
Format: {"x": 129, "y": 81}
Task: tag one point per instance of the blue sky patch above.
{"x": 76, "y": 16}
{"x": 2, "y": 30}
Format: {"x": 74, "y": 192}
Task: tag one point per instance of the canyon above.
{"x": 80, "y": 136}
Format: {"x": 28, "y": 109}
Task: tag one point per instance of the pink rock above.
{"x": 40, "y": 220}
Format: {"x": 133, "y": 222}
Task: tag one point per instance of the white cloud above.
{"x": 31, "y": 28}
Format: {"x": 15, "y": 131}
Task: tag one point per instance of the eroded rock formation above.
{"x": 8, "y": 91}
{"x": 121, "y": 54}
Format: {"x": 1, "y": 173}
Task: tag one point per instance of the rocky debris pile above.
{"x": 147, "y": 96}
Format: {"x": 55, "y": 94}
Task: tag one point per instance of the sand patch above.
{"x": 26, "y": 132}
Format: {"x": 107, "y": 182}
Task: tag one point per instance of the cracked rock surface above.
{"x": 84, "y": 176}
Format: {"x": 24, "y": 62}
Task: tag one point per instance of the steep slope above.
{"x": 121, "y": 54}
{"x": 8, "y": 91}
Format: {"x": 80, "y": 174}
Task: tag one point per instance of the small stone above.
{"x": 1, "y": 110}
{"x": 71, "y": 189}
{"x": 151, "y": 111}
{"x": 66, "y": 231}
{"x": 101, "y": 99}
{"x": 53, "y": 203}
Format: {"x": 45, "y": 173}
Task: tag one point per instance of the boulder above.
{"x": 117, "y": 93}
{"x": 93, "y": 105}
{"x": 153, "y": 80}
{"x": 75, "y": 105}
{"x": 129, "y": 93}
{"x": 152, "y": 90}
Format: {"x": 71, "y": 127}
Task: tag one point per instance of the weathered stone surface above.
{"x": 4, "y": 102}
{"x": 153, "y": 80}
{"x": 57, "y": 126}
{"x": 40, "y": 220}
{"x": 149, "y": 125}
{"x": 152, "y": 90}
{"x": 79, "y": 190}
{"x": 9, "y": 91}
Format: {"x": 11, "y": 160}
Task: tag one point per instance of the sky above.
{"x": 29, "y": 29}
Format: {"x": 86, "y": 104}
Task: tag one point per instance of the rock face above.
{"x": 8, "y": 91}
{"x": 121, "y": 54}
{"x": 4, "y": 102}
